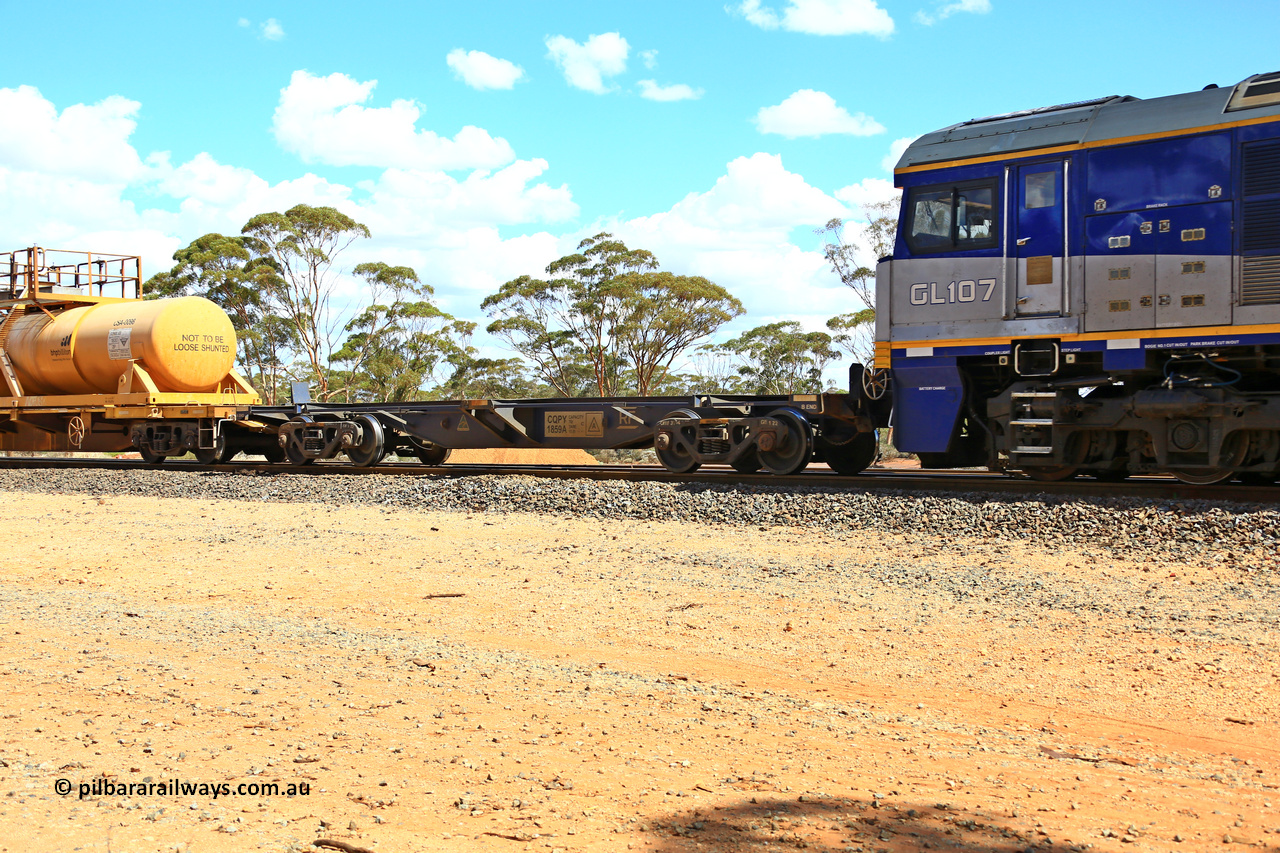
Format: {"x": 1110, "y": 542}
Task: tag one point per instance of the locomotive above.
{"x": 1090, "y": 288}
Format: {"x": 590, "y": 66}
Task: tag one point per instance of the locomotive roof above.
{"x": 1097, "y": 121}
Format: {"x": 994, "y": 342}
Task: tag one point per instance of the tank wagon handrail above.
{"x": 36, "y": 271}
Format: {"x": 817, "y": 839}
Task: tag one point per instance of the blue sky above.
{"x": 717, "y": 135}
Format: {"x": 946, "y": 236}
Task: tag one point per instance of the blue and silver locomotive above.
{"x": 1090, "y": 288}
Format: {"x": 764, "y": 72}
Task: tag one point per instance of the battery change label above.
{"x": 119, "y": 345}
{"x": 573, "y": 425}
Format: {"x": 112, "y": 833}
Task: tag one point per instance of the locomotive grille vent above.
{"x": 1262, "y": 169}
{"x": 1261, "y": 225}
{"x": 1261, "y": 281}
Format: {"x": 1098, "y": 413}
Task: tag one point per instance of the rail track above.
{"x": 873, "y": 479}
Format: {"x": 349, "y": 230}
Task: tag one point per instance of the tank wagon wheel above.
{"x": 875, "y": 383}
{"x": 150, "y": 457}
{"x": 274, "y": 454}
{"x": 372, "y": 443}
{"x": 292, "y": 452}
{"x": 675, "y": 457}
{"x": 852, "y": 456}
{"x": 1234, "y": 450}
{"x": 216, "y": 455}
{"x": 793, "y": 450}
{"x": 747, "y": 463}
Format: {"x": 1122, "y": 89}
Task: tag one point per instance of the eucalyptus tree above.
{"x": 605, "y": 309}
{"x": 303, "y": 244}
{"x": 398, "y": 342}
{"x": 781, "y": 358}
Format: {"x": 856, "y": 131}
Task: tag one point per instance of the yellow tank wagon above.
{"x": 86, "y": 364}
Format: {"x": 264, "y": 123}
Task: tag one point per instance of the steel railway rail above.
{"x": 872, "y": 480}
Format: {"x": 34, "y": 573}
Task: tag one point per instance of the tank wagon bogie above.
{"x": 1092, "y": 287}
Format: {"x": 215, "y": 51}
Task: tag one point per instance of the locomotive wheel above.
{"x": 1077, "y": 448}
{"x": 372, "y": 444}
{"x": 1231, "y": 457}
{"x": 150, "y": 457}
{"x": 793, "y": 450}
{"x": 676, "y": 456}
{"x": 747, "y": 463}
{"x": 851, "y": 457}
{"x": 1051, "y": 473}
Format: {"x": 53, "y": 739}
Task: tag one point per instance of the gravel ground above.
{"x": 512, "y": 663}
{"x": 1195, "y": 531}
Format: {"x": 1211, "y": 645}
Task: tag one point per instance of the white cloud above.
{"x": 821, "y": 17}
{"x": 739, "y": 234}
{"x": 896, "y": 149}
{"x": 650, "y": 90}
{"x": 320, "y": 119}
{"x": 946, "y": 10}
{"x": 865, "y": 192}
{"x": 479, "y": 70}
{"x": 811, "y": 113}
{"x": 73, "y": 179}
{"x": 650, "y": 58}
{"x": 243, "y": 22}
{"x": 86, "y": 141}
{"x": 586, "y": 65}
{"x": 271, "y": 30}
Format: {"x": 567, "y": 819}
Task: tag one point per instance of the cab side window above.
{"x": 952, "y": 217}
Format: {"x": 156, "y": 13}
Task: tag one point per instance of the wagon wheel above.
{"x": 851, "y": 457}
{"x": 875, "y": 383}
{"x": 369, "y": 451}
{"x": 433, "y": 455}
{"x": 678, "y": 457}
{"x": 151, "y": 457}
{"x": 215, "y": 455}
{"x": 747, "y": 463}
{"x": 75, "y": 431}
{"x": 794, "y": 449}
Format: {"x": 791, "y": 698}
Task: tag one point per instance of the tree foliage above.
{"x": 397, "y": 343}
{"x": 303, "y": 244}
{"x": 877, "y": 238}
{"x": 781, "y": 358}
{"x": 607, "y": 310}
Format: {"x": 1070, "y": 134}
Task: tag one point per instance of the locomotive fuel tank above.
{"x": 186, "y": 344}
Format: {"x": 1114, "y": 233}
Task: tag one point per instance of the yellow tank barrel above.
{"x": 186, "y": 344}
